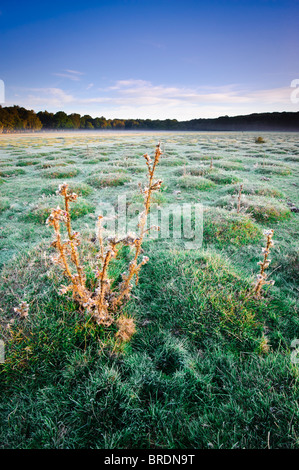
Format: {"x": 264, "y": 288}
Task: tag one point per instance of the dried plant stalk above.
{"x": 239, "y": 198}
{"x": 103, "y": 301}
{"x": 262, "y": 276}
{"x": 134, "y": 266}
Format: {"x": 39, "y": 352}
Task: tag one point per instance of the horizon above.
{"x": 167, "y": 60}
{"x": 124, "y": 119}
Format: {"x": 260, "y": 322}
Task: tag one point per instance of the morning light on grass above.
{"x": 149, "y": 232}
{"x": 203, "y": 344}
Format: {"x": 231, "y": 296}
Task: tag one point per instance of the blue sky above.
{"x": 179, "y": 59}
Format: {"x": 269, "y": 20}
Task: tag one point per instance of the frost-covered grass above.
{"x": 209, "y": 365}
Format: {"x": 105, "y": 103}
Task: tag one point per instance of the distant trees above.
{"x": 47, "y": 119}
{"x": 86, "y": 122}
{"x": 101, "y": 123}
{"x": 16, "y": 119}
{"x": 75, "y": 119}
{"x": 118, "y": 124}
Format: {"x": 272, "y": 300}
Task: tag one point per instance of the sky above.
{"x": 149, "y": 59}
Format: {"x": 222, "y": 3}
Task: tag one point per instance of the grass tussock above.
{"x": 54, "y": 164}
{"x": 229, "y": 165}
{"x": 274, "y": 170}
{"x": 255, "y": 189}
{"x": 94, "y": 161}
{"x": 60, "y": 172}
{"x": 223, "y": 178}
{"x": 4, "y": 204}
{"x": 10, "y": 172}
{"x": 192, "y": 170}
{"x": 172, "y": 162}
{"x": 292, "y": 158}
{"x": 82, "y": 189}
{"x": 222, "y": 227}
{"x": 264, "y": 209}
{"x": 203, "y": 158}
{"x": 26, "y": 162}
{"x": 109, "y": 179}
{"x": 194, "y": 182}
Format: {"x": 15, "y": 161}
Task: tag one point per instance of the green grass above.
{"x": 255, "y": 189}
{"x": 261, "y": 209}
{"x": 223, "y": 178}
{"x": 9, "y": 172}
{"x": 67, "y": 385}
{"x": 194, "y": 182}
{"x": 292, "y": 158}
{"x": 222, "y": 227}
{"x": 82, "y": 189}
{"x": 110, "y": 179}
{"x": 266, "y": 210}
{"x": 277, "y": 170}
{"x": 204, "y": 158}
{"x": 192, "y": 170}
{"x": 210, "y": 365}
{"x": 26, "y": 162}
{"x": 4, "y": 204}
{"x": 60, "y": 172}
{"x": 229, "y": 165}
{"x": 41, "y": 211}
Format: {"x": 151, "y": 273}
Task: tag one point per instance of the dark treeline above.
{"x": 17, "y": 119}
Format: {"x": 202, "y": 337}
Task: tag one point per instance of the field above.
{"x": 210, "y": 365}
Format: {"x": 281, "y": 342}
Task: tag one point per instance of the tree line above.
{"x": 17, "y": 119}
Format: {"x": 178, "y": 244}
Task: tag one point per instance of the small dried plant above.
{"x": 239, "y": 198}
{"x": 22, "y": 309}
{"x": 264, "y": 264}
{"x": 103, "y": 301}
{"x": 211, "y": 163}
{"x": 264, "y": 346}
{"x": 126, "y": 329}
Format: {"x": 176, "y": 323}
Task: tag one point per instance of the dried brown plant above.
{"x": 264, "y": 346}
{"x": 22, "y": 309}
{"x": 126, "y": 329}
{"x": 239, "y": 198}
{"x": 103, "y": 301}
{"x": 264, "y": 264}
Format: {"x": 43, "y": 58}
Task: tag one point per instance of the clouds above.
{"x": 48, "y": 98}
{"x": 137, "y": 98}
{"x": 73, "y": 75}
{"x": 140, "y": 93}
